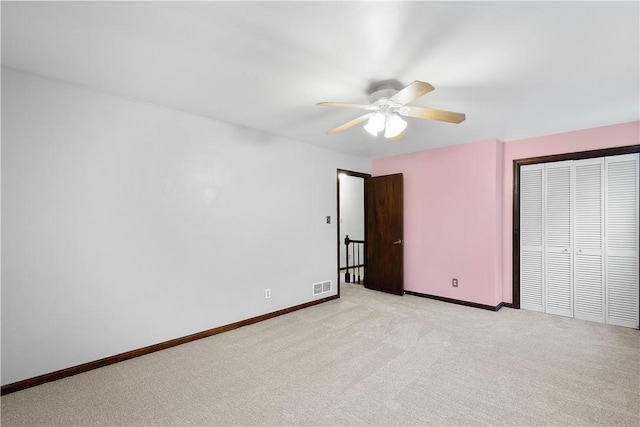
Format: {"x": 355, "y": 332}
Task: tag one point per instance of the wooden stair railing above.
{"x": 357, "y": 251}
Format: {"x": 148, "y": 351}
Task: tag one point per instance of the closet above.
{"x": 579, "y": 239}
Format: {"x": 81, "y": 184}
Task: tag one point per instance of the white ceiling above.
{"x": 516, "y": 69}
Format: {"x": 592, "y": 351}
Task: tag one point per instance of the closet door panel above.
{"x": 621, "y": 234}
{"x": 558, "y": 283}
{"x": 588, "y": 239}
{"x": 531, "y": 237}
{"x": 558, "y": 239}
{"x": 622, "y": 297}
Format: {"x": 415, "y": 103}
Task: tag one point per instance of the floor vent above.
{"x": 321, "y": 287}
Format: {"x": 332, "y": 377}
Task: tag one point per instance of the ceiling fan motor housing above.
{"x": 384, "y": 89}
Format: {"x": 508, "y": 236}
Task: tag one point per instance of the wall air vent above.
{"x": 326, "y": 286}
{"x": 321, "y": 287}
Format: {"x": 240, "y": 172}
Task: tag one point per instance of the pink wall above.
{"x": 458, "y": 209}
{"x": 452, "y": 206}
{"x": 584, "y": 140}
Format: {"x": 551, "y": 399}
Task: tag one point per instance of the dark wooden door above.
{"x": 384, "y": 234}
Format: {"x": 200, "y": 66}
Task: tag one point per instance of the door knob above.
{"x": 397, "y": 242}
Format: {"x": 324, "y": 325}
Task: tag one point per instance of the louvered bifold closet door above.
{"x": 558, "y": 239}
{"x": 531, "y": 237}
{"x": 588, "y": 227}
{"x": 621, "y": 237}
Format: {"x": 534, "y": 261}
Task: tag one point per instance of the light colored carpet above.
{"x": 365, "y": 359}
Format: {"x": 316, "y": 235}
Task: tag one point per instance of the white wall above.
{"x": 125, "y": 224}
{"x": 351, "y": 215}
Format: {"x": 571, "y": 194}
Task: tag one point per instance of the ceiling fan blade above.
{"x": 413, "y": 91}
{"x": 349, "y": 124}
{"x": 399, "y": 137}
{"x": 345, "y": 105}
{"x": 429, "y": 113}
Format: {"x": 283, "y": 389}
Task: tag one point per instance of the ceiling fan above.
{"x": 389, "y": 99}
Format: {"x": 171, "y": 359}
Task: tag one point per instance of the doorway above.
{"x": 351, "y": 221}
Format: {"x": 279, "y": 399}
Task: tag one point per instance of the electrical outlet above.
{"x": 454, "y": 283}
{"x": 267, "y": 293}
{"x": 328, "y": 219}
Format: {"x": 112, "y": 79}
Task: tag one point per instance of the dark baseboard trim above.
{"x": 457, "y": 301}
{"x": 74, "y": 370}
{"x": 509, "y": 305}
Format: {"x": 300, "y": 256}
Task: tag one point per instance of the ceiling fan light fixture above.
{"x": 375, "y": 124}
{"x": 395, "y": 125}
